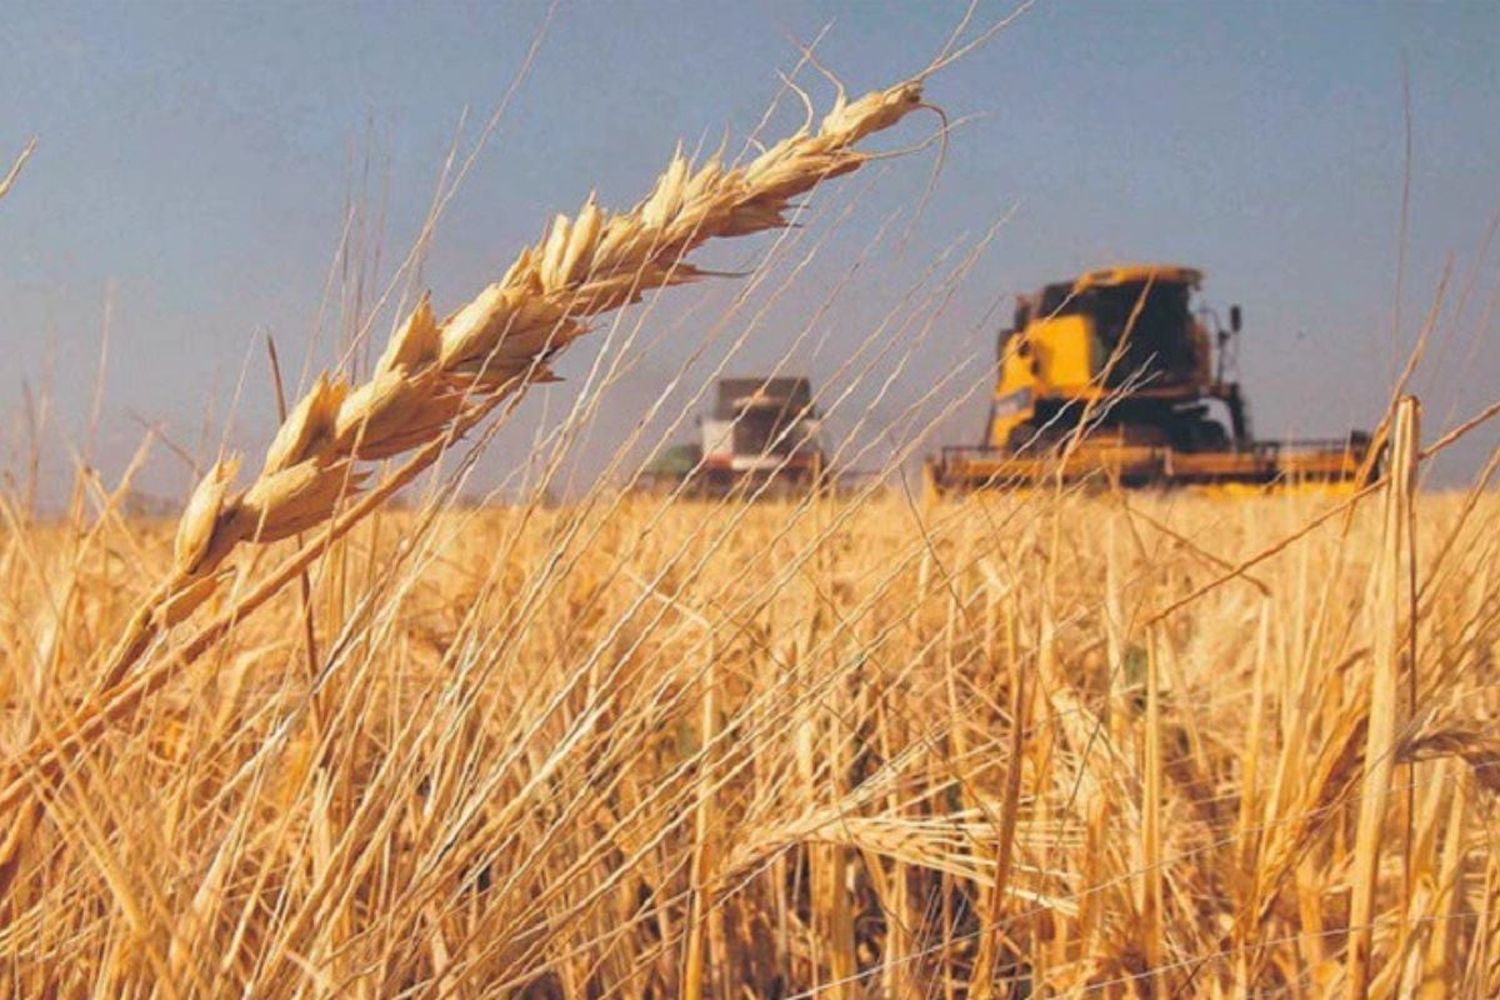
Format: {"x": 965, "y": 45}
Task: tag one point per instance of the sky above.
{"x": 198, "y": 166}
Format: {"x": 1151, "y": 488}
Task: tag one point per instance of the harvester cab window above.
{"x": 1019, "y": 322}
{"x": 1160, "y": 345}
{"x": 1003, "y": 340}
{"x": 1057, "y": 300}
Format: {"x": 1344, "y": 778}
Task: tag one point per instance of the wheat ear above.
{"x": 433, "y": 375}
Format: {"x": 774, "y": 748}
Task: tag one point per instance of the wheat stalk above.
{"x": 9, "y": 180}
{"x": 437, "y": 378}
{"x": 1381, "y": 736}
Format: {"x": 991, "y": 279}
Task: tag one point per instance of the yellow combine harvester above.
{"x": 1113, "y": 378}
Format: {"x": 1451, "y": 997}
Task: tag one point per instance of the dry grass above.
{"x": 571, "y": 749}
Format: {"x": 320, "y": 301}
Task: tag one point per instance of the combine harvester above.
{"x": 1112, "y": 379}
{"x": 760, "y": 441}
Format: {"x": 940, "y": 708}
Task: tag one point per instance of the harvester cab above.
{"x": 1125, "y": 339}
{"x": 1120, "y": 374}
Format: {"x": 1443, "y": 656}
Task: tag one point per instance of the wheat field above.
{"x": 303, "y": 742}
{"x": 657, "y": 748}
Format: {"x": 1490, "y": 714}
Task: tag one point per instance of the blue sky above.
{"x": 196, "y": 163}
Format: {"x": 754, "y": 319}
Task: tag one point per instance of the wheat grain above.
{"x": 432, "y": 374}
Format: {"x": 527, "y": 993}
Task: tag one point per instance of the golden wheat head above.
{"x": 431, "y": 372}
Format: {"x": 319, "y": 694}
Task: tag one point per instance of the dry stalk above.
{"x": 700, "y": 900}
{"x": 9, "y": 179}
{"x": 1381, "y": 734}
{"x": 982, "y": 986}
{"x": 1150, "y": 899}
